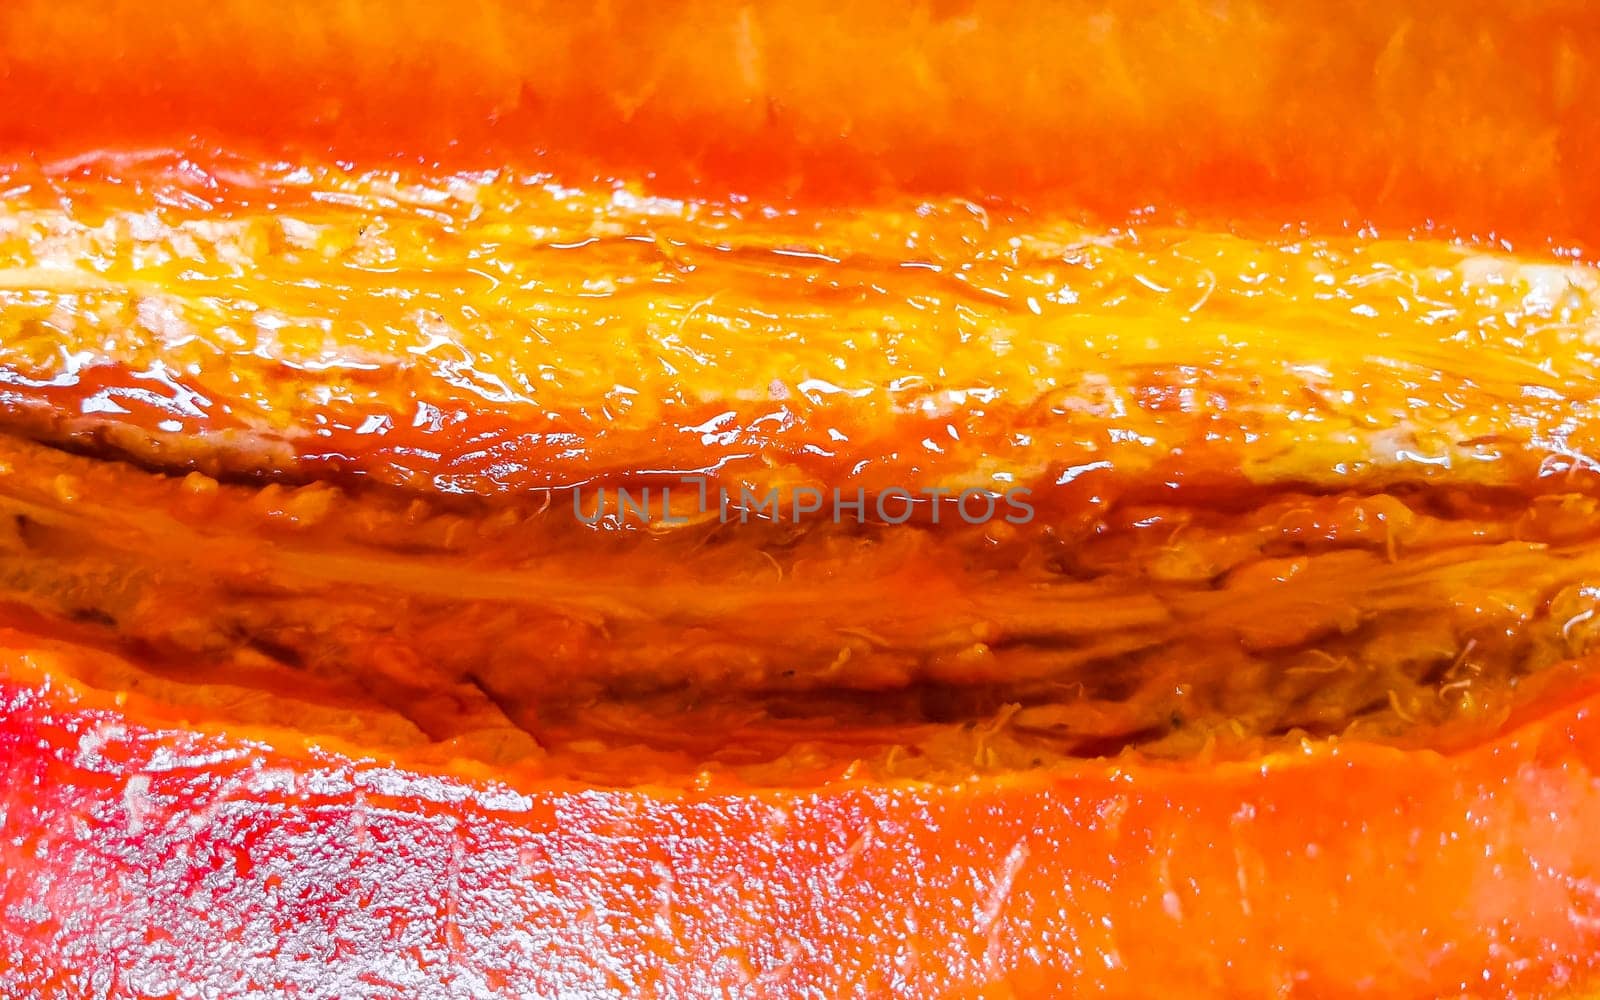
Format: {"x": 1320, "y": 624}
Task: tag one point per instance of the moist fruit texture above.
{"x": 346, "y": 439}
{"x": 477, "y": 519}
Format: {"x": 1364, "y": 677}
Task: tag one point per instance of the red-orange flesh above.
{"x": 330, "y": 664}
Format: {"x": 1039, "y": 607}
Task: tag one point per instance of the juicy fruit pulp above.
{"x": 311, "y": 681}
{"x": 1281, "y": 485}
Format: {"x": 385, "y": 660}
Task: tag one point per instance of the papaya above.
{"x": 712, "y": 499}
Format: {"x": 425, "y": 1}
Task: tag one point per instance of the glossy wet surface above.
{"x": 496, "y": 332}
{"x": 1279, "y": 486}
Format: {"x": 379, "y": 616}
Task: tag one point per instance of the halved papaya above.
{"x": 968, "y": 501}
